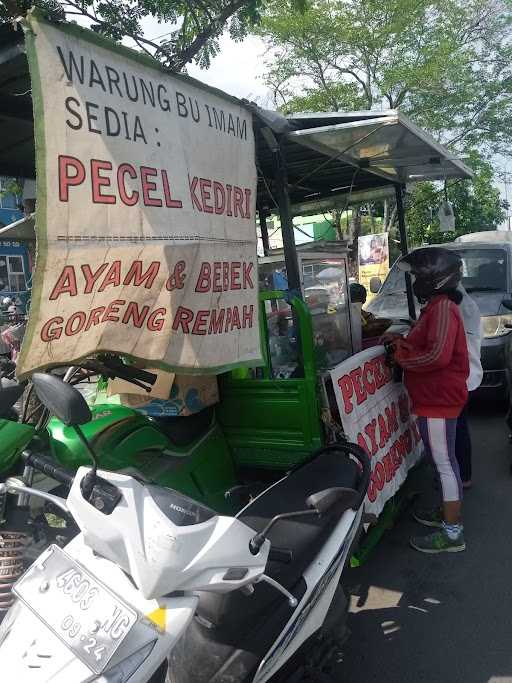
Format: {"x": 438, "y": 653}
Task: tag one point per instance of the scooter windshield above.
{"x": 181, "y": 510}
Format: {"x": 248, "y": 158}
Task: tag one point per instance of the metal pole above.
{"x": 285, "y": 213}
{"x": 404, "y": 249}
{"x": 264, "y": 231}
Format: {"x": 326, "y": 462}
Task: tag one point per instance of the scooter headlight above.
{"x": 124, "y": 670}
{"x": 495, "y": 325}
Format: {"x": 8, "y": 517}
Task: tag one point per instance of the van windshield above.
{"x": 483, "y": 270}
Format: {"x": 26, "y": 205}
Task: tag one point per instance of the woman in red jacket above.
{"x": 434, "y": 358}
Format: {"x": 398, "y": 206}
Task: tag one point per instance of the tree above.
{"x": 446, "y": 63}
{"x": 197, "y": 24}
{"x": 477, "y": 206}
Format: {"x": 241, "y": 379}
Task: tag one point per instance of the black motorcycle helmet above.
{"x": 435, "y": 270}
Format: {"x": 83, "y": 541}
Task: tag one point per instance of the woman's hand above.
{"x": 389, "y": 337}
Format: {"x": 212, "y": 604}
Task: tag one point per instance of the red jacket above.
{"x": 434, "y": 357}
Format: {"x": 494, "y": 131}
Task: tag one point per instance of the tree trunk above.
{"x": 336, "y": 221}
{"x": 355, "y": 231}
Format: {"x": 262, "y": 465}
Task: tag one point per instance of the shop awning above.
{"x": 389, "y": 145}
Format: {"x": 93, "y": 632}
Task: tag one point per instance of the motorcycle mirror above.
{"x": 70, "y": 407}
{"x": 375, "y": 284}
{"x": 324, "y": 500}
{"x": 61, "y": 399}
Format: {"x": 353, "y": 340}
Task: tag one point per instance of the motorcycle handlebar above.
{"x": 129, "y": 372}
{"x": 48, "y": 467}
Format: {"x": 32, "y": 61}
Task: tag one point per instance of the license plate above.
{"x": 88, "y": 618}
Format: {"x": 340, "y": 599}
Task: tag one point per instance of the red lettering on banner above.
{"x": 203, "y": 279}
{"x": 136, "y": 277}
{"x": 170, "y": 203}
{"x": 67, "y": 163}
{"x": 183, "y": 318}
{"x": 370, "y": 431}
{"x": 384, "y": 435}
{"x": 122, "y": 171}
{"x": 247, "y": 316}
{"x": 235, "y": 319}
{"x": 156, "y": 320}
{"x": 216, "y": 321}
{"x": 111, "y": 309}
{"x": 246, "y": 275}
{"x": 219, "y": 197}
{"x": 229, "y": 315}
{"x": 392, "y": 418}
{"x": 356, "y": 377}
{"x": 71, "y": 329}
{"x": 200, "y": 322}
{"x": 238, "y": 201}
{"x": 49, "y": 331}
{"x": 235, "y": 275}
{"x": 224, "y": 276}
{"x": 372, "y": 491}
{"x": 388, "y": 467}
{"x": 98, "y": 181}
{"x": 347, "y": 391}
{"x": 211, "y": 196}
{"x": 132, "y": 313}
{"x": 205, "y": 189}
{"x": 379, "y": 476}
{"x": 247, "y": 202}
{"x": 148, "y": 186}
{"x": 216, "y": 279}
{"x": 66, "y": 284}
{"x": 113, "y": 277}
{"x": 90, "y": 277}
{"x": 94, "y": 317}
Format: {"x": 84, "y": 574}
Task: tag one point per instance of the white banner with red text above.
{"x": 375, "y": 413}
{"x": 145, "y": 219}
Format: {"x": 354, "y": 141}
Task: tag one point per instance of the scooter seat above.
{"x": 183, "y": 430}
{"x": 303, "y": 536}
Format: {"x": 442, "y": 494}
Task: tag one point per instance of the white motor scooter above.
{"x": 157, "y": 585}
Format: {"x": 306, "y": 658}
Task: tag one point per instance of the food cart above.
{"x": 276, "y": 410}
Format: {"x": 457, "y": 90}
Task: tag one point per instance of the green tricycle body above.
{"x": 262, "y": 426}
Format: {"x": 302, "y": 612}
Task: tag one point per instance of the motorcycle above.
{"x": 172, "y": 451}
{"x": 158, "y": 584}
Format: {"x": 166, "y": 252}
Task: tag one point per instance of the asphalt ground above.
{"x": 441, "y": 618}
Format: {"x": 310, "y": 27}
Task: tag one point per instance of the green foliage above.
{"x": 477, "y": 206}
{"x": 197, "y": 24}
{"x": 12, "y": 186}
{"x": 446, "y": 63}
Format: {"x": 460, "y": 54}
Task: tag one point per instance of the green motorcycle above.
{"x": 173, "y": 451}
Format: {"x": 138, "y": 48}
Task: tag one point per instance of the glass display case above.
{"x": 324, "y": 282}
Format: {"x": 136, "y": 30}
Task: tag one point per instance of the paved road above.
{"x": 448, "y": 618}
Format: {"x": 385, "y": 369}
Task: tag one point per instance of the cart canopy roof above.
{"x": 330, "y": 157}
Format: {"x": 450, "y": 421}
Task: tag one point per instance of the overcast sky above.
{"x": 237, "y": 69}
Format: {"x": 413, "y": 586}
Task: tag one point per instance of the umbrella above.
{"x": 330, "y": 274}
